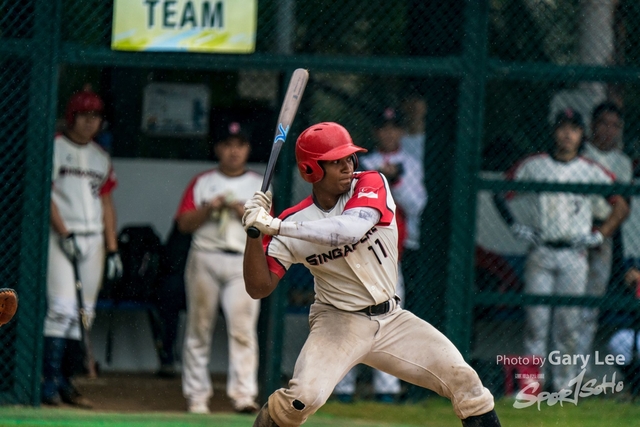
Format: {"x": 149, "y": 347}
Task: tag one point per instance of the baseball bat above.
{"x": 84, "y": 325}
{"x": 287, "y": 113}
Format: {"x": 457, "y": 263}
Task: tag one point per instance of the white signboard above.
{"x": 174, "y": 109}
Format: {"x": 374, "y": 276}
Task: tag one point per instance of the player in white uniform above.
{"x": 404, "y": 174}
{"x": 606, "y": 137}
{"x": 559, "y": 228}
{"x": 83, "y": 230}
{"x": 211, "y": 208}
{"x": 345, "y": 233}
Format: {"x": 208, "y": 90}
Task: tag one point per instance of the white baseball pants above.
{"x": 398, "y": 343}
{"x": 212, "y": 278}
{"x": 383, "y": 383}
{"x": 600, "y": 260}
{"x": 62, "y": 319}
{"x": 555, "y": 272}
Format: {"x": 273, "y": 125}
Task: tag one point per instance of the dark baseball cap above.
{"x": 233, "y": 129}
{"x": 388, "y": 116}
{"x": 568, "y": 115}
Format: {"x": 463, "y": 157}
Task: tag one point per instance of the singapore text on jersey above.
{"x": 335, "y": 253}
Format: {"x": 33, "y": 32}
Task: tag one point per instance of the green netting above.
{"x": 13, "y": 176}
{"x": 17, "y": 19}
{"x": 493, "y": 75}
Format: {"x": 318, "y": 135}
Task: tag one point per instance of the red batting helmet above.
{"x": 82, "y": 102}
{"x": 322, "y": 141}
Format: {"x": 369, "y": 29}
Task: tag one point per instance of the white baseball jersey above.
{"x": 413, "y": 145}
{"x": 409, "y": 191}
{"x": 560, "y": 216}
{"x": 614, "y": 160}
{"x": 80, "y": 175}
{"x": 227, "y": 232}
{"x": 353, "y": 276}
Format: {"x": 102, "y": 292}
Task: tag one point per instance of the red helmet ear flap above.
{"x": 310, "y": 171}
{"x": 355, "y": 161}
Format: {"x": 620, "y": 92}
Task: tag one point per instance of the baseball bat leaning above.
{"x": 89, "y": 361}
{"x": 287, "y": 113}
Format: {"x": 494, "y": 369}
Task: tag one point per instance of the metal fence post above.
{"x": 458, "y": 296}
{"x": 35, "y": 223}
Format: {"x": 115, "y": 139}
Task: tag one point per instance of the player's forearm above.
{"x": 110, "y": 224}
{"x": 617, "y": 216}
{"x": 344, "y": 229}
{"x": 258, "y": 280}
{"x": 56, "y": 220}
{"x": 238, "y": 208}
{"x": 188, "y": 222}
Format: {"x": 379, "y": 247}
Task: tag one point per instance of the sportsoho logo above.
{"x": 576, "y": 388}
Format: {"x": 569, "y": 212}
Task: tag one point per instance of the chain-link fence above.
{"x": 476, "y": 87}
{"x": 26, "y": 92}
{"x": 551, "y": 294}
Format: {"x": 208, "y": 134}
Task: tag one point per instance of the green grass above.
{"x": 434, "y": 412}
{"x": 437, "y": 412}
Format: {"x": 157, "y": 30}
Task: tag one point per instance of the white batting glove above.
{"x": 114, "y": 266}
{"x": 591, "y": 240}
{"x": 229, "y": 198}
{"x": 525, "y": 233}
{"x": 260, "y": 200}
{"x": 259, "y": 218}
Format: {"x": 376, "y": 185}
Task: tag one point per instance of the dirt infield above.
{"x": 136, "y": 392}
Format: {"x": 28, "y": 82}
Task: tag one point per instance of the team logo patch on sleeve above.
{"x": 368, "y": 192}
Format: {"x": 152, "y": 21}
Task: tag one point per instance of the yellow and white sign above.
{"x": 223, "y": 26}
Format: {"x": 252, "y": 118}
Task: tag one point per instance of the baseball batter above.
{"x": 211, "y": 209}
{"x": 83, "y": 230}
{"x": 559, "y": 229}
{"x": 345, "y": 233}
{"x": 606, "y": 137}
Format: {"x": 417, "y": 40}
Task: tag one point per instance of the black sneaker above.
{"x": 71, "y": 396}
{"x": 51, "y": 401}
{"x": 247, "y": 408}
{"x": 167, "y": 371}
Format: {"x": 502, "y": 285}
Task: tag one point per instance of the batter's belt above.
{"x": 382, "y": 308}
